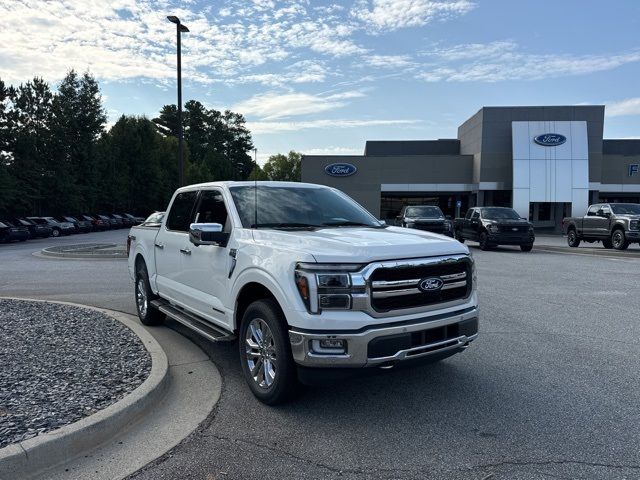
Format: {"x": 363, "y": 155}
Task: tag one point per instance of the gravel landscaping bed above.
{"x": 60, "y": 363}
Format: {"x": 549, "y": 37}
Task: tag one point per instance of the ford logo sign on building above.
{"x": 340, "y": 169}
{"x": 550, "y": 139}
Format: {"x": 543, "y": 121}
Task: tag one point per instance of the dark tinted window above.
{"x": 179, "y": 217}
{"x": 626, "y": 208}
{"x": 469, "y": 213}
{"x": 476, "y": 214}
{"x": 212, "y": 209}
{"x": 497, "y": 213}
{"x": 425, "y": 211}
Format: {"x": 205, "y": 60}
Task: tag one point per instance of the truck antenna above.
{"x": 255, "y": 187}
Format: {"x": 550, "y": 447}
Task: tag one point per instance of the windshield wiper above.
{"x": 288, "y": 225}
{"x": 351, "y": 224}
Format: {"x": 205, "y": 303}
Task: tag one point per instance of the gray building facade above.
{"x": 546, "y": 162}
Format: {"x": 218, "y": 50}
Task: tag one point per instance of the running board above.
{"x": 193, "y": 322}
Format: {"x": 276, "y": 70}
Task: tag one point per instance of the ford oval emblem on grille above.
{"x": 431, "y": 284}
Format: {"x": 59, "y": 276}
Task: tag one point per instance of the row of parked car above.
{"x": 24, "y": 228}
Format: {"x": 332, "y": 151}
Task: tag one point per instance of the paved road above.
{"x": 549, "y": 390}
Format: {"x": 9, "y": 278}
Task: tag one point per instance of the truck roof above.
{"x": 229, "y": 184}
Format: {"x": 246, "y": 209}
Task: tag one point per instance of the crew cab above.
{"x": 309, "y": 282}
{"x": 493, "y": 226}
{"x": 425, "y": 217}
{"x": 616, "y": 225}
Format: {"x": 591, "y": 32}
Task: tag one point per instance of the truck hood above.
{"x": 361, "y": 245}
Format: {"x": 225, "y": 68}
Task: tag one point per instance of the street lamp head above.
{"x": 183, "y": 28}
{"x": 173, "y": 19}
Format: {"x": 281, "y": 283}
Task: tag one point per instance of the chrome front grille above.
{"x": 397, "y": 287}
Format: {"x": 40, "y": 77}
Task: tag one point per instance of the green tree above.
{"x": 257, "y": 174}
{"x": 286, "y": 168}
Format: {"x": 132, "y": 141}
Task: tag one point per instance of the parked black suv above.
{"x": 35, "y": 230}
{"x": 10, "y": 232}
{"x": 492, "y": 226}
{"x": 425, "y": 217}
{"x": 81, "y": 225}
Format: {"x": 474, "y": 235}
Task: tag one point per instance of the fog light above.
{"x": 342, "y": 301}
{"x": 329, "y": 346}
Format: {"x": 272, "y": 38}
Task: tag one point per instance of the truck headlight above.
{"x": 633, "y": 225}
{"x": 326, "y": 286}
{"x": 448, "y": 225}
{"x": 493, "y": 228}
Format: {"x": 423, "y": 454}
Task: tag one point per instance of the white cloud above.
{"x": 325, "y": 124}
{"x": 500, "y": 61}
{"x": 271, "y": 106}
{"x": 389, "y": 61}
{"x": 630, "y": 106}
{"x": 385, "y": 15}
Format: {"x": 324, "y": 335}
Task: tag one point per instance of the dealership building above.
{"x": 545, "y": 162}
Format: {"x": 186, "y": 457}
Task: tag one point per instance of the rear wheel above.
{"x": 147, "y": 314}
{"x": 572, "y": 238}
{"x": 265, "y": 353}
{"x": 55, "y": 232}
{"x": 526, "y": 248}
{"x": 484, "y": 241}
{"x": 619, "y": 240}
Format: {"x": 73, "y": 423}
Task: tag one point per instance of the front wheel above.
{"x": 619, "y": 240}
{"x": 147, "y": 314}
{"x": 484, "y": 241}
{"x": 526, "y": 248}
{"x": 265, "y": 353}
{"x": 572, "y": 238}
{"x": 55, "y": 232}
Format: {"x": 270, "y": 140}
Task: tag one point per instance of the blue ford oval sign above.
{"x": 340, "y": 169}
{"x": 550, "y": 139}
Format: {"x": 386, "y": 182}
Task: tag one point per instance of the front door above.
{"x": 170, "y": 244}
{"x": 206, "y": 267}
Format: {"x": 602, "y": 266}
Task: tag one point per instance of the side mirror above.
{"x": 207, "y": 234}
{"x": 382, "y": 222}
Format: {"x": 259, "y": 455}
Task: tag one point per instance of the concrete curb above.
{"x": 84, "y": 251}
{"x": 33, "y": 456}
{"x": 588, "y": 252}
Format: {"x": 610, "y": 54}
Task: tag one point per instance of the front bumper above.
{"x": 510, "y": 239}
{"x": 363, "y": 346}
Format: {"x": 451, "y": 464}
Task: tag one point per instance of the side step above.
{"x": 201, "y": 327}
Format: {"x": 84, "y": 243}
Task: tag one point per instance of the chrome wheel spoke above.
{"x": 261, "y": 353}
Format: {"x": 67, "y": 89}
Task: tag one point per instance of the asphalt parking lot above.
{"x": 549, "y": 390}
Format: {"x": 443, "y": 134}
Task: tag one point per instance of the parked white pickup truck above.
{"x": 306, "y": 278}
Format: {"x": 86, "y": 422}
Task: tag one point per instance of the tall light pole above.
{"x": 179, "y": 29}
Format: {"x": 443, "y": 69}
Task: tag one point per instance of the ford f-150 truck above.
{"x": 613, "y": 224}
{"x": 492, "y": 226}
{"x": 425, "y": 217}
{"x": 307, "y": 280}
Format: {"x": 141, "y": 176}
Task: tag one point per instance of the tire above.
{"x": 459, "y": 237}
{"x": 55, "y": 232}
{"x": 484, "y": 241}
{"x": 526, "y": 248}
{"x": 572, "y": 238}
{"x": 619, "y": 240}
{"x": 607, "y": 243}
{"x": 147, "y": 314}
{"x": 278, "y": 382}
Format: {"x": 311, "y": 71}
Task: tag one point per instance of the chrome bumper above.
{"x": 358, "y": 343}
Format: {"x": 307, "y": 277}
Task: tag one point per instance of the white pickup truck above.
{"x": 306, "y": 278}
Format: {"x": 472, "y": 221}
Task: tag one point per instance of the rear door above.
{"x": 589, "y": 221}
{"x": 170, "y": 246}
{"x": 474, "y": 224}
{"x": 207, "y": 267}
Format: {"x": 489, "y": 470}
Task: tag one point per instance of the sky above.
{"x": 322, "y": 77}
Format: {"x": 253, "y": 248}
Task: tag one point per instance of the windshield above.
{"x": 425, "y": 212}
{"x": 626, "y": 208}
{"x": 299, "y": 207}
{"x": 497, "y": 213}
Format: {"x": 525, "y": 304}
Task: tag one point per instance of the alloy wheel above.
{"x": 141, "y": 297}
{"x": 261, "y": 353}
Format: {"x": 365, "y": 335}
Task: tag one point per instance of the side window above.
{"x": 593, "y": 209}
{"x": 179, "y": 217}
{"x": 469, "y": 213}
{"x": 476, "y": 214}
{"x": 211, "y": 209}
{"x": 606, "y": 209}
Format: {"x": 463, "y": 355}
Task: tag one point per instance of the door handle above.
{"x": 186, "y": 251}
{"x": 159, "y": 245}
